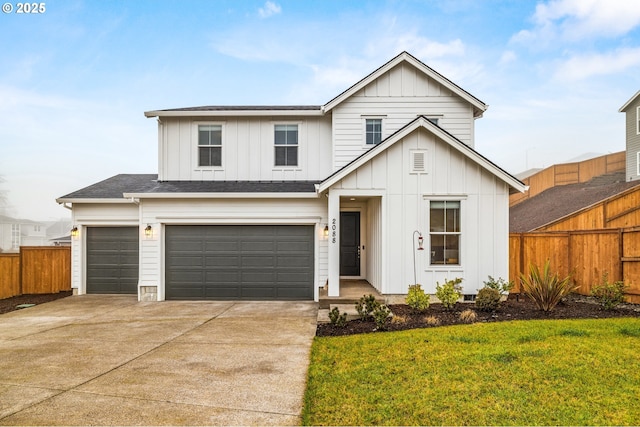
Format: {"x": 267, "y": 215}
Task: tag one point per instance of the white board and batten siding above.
{"x": 404, "y": 208}
{"x": 247, "y": 149}
{"x": 397, "y": 97}
{"x": 161, "y": 212}
{"x": 96, "y": 215}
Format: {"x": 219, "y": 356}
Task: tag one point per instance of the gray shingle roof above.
{"x": 248, "y": 108}
{"x": 116, "y": 186}
{"x": 560, "y": 201}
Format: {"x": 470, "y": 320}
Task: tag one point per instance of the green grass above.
{"x": 555, "y": 372}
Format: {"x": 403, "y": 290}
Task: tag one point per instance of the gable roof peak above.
{"x": 479, "y": 107}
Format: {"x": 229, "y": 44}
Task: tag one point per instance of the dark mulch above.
{"x": 517, "y": 307}
{"x": 10, "y": 304}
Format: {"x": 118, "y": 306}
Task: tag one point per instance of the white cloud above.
{"x": 270, "y": 8}
{"x": 584, "y": 66}
{"x": 508, "y": 57}
{"x": 576, "y": 20}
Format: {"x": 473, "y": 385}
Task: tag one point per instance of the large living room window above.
{"x": 286, "y": 145}
{"x": 209, "y": 145}
{"x": 444, "y": 232}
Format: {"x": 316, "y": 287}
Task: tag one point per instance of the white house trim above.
{"x": 254, "y": 195}
{"x": 479, "y": 106}
{"x": 234, "y": 113}
{"x": 423, "y": 122}
{"x": 629, "y": 102}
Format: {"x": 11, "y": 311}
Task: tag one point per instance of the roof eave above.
{"x": 222, "y": 195}
{"x": 629, "y": 102}
{"x": 91, "y": 200}
{"x": 234, "y": 113}
{"x": 479, "y": 106}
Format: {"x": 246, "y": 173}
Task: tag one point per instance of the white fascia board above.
{"x": 221, "y": 195}
{"x": 236, "y": 113}
{"x": 630, "y": 101}
{"x": 438, "y": 132}
{"x": 420, "y": 66}
{"x": 68, "y": 200}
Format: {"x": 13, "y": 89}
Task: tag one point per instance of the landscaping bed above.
{"x": 11, "y": 304}
{"x": 516, "y": 307}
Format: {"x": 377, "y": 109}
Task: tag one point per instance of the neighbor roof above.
{"x": 629, "y": 102}
{"x": 124, "y": 186}
{"x": 557, "y": 202}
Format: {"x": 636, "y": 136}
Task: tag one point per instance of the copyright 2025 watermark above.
{"x": 24, "y": 8}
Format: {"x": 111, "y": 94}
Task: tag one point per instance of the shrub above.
{"x": 337, "y": 319}
{"x": 500, "y": 285}
{"x": 399, "y": 319}
{"x": 608, "y": 294}
{"x": 449, "y": 293}
{"x": 380, "y": 316}
{"x": 468, "y": 316}
{"x": 417, "y": 299}
{"x": 546, "y": 289}
{"x": 432, "y": 320}
{"x": 366, "y": 306}
{"x": 488, "y": 299}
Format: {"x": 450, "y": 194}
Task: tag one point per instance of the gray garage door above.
{"x": 239, "y": 262}
{"x": 112, "y": 260}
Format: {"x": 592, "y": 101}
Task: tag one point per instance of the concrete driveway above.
{"x": 110, "y": 360}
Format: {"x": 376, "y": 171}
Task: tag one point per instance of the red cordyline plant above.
{"x": 546, "y": 289}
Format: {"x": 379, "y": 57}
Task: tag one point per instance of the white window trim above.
{"x": 195, "y": 145}
{"x": 462, "y": 198}
{"x": 383, "y": 131}
{"x": 638, "y": 163}
{"x": 297, "y": 167}
{"x": 638, "y": 121}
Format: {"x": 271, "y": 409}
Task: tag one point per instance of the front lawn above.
{"x": 543, "y": 372}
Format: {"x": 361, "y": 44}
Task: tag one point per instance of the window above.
{"x": 638, "y": 120}
{"x": 15, "y": 236}
{"x": 286, "y": 145}
{"x": 373, "y": 131}
{"x": 433, "y": 120}
{"x": 444, "y": 232}
{"x": 210, "y": 145}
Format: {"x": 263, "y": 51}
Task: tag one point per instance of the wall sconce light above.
{"x": 75, "y": 232}
{"x": 148, "y": 231}
{"x": 326, "y": 231}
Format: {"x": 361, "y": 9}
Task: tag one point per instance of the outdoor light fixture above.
{"x": 148, "y": 231}
{"x": 326, "y": 231}
{"x": 74, "y": 231}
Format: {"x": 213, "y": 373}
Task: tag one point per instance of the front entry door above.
{"x": 350, "y": 243}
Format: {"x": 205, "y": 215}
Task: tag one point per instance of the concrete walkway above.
{"x": 110, "y": 360}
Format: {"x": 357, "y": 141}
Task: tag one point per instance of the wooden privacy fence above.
{"x": 586, "y": 255}
{"x": 35, "y": 270}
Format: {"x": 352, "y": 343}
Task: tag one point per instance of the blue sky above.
{"x": 76, "y": 79}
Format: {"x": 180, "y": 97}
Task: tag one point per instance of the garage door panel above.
{"x": 112, "y": 260}
{"x": 242, "y": 262}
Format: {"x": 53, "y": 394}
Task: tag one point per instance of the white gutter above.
{"x": 256, "y": 195}
{"x": 234, "y": 113}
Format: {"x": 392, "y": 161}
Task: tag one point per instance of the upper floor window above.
{"x": 638, "y": 120}
{"x": 286, "y": 145}
{"x": 209, "y": 145}
{"x": 444, "y": 232}
{"x": 433, "y": 120}
{"x": 373, "y": 131}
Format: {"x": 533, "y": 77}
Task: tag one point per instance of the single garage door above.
{"x": 260, "y": 262}
{"x": 112, "y": 260}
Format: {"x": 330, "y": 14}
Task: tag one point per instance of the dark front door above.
{"x": 349, "y": 243}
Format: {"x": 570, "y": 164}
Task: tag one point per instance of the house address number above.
{"x": 334, "y": 232}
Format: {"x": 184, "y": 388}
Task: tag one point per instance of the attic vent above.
{"x": 418, "y": 161}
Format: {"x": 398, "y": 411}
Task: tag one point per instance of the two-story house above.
{"x": 631, "y": 108}
{"x": 381, "y": 183}
{"x": 16, "y": 232}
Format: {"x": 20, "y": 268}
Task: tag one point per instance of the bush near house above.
{"x": 417, "y": 299}
{"x": 609, "y": 295}
{"x": 449, "y": 293}
{"x": 488, "y": 299}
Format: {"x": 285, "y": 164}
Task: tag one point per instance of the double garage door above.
{"x": 209, "y": 262}
{"x": 254, "y": 262}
